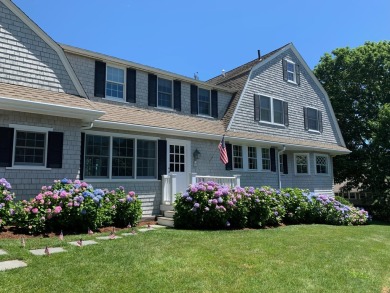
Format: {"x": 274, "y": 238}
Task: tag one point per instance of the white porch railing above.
{"x": 169, "y": 184}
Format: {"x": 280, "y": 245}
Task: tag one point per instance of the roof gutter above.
{"x": 27, "y": 106}
{"x": 209, "y": 136}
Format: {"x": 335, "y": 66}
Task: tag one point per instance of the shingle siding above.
{"x": 27, "y": 60}
{"x": 268, "y": 80}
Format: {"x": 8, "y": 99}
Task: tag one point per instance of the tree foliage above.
{"x": 358, "y": 84}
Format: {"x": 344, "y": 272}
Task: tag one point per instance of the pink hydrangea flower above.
{"x": 34, "y": 211}
{"x": 39, "y": 196}
{"x": 57, "y": 210}
{"x": 131, "y": 193}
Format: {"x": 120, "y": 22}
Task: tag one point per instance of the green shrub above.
{"x": 127, "y": 208}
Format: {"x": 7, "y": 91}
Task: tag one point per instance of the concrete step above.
{"x": 166, "y": 207}
{"x": 169, "y": 214}
{"x": 164, "y": 221}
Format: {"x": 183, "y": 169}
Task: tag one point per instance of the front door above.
{"x": 179, "y": 162}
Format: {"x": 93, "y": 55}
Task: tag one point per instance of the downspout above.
{"x": 278, "y": 167}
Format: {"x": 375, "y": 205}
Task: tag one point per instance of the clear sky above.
{"x": 206, "y": 36}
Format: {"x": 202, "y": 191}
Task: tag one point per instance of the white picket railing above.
{"x": 168, "y": 184}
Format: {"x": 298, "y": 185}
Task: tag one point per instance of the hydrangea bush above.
{"x": 208, "y": 205}
{"x": 72, "y": 205}
{"x": 7, "y": 210}
{"x": 127, "y": 208}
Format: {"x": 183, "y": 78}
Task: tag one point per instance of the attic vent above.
{"x": 196, "y": 76}
{"x": 223, "y": 73}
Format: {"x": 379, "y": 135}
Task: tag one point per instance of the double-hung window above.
{"x": 164, "y": 93}
{"x": 266, "y": 159}
{"x": 271, "y": 110}
{"x": 120, "y": 157}
{"x": 252, "y": 158}
{"x": 291, "y": 74}
{"x": 313, "y": 119}
{"x": 30, "y": 148}
{"x": 321, "y": 164}
{"x": 238, "y": 157}
{"x": 204, "y": 102}
{"x": 115, "y": 82}
{"x": 301, "y": 163}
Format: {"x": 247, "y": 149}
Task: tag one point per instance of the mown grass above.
{"x": 306, "y": 258}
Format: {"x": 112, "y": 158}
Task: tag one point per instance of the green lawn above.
{"x": 306, "y": 258}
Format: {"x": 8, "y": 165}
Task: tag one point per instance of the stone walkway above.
{"x": 13, "y": 264}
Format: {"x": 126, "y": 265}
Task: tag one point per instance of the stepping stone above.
{"x": 158, "y": 226}
{"x": 11, "y": 264}
{"x": 51, "y": 250}
{"x": 3, "y": 252}
{"x": 85, "y": 242}
{"x": 128, "y": 234}
{"x": 108, "y": 237}
{"x": 145, "y": 229}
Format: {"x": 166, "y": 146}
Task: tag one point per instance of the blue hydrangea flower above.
{"x": 64, "y": 181}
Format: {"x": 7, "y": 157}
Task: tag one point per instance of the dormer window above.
{"x": 204, "y": 103}
{"x": 115, "y": 81}
{"x": 164, "y": 93}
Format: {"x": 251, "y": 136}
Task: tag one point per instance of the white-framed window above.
{"x": 164, "y": 93}
{"x": 301, "y": 162}
{"x": 115, "y": 82}
{"x": 238, "y": 157}
{"x": 313, "y": 119}
{"x": 252, "y": 158}
{"x": 204, "y": 102}
{"x": 30, "y": 148}
{"x": 116, "y": 157}
{"x": 322, "y": 164}
{"x": 30, "y": 145}
{"x": 266, "y": 159}
{"x": 272, "y": 110}
{"x": 291, "y": 73}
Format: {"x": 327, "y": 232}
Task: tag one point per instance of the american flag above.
{"x": 47, "y": 252}
{"x": 129, "y": 225}
{"x": 222, "y": 151}
{"x": 90, "y": 232}
{"x": 80, "y": 242}
{"x": 23, "y": 242}
{"x": 112, "y": 235}
{"x": 61, "y": 237}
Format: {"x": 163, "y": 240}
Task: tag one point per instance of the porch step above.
{"x": 169, "y": 214}
{"x": 164, "y": 221}
{"x": 166, "y": 207}
{"x": 147, "y": 205}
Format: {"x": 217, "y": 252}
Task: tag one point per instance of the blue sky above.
{"x": 206, "y": 36}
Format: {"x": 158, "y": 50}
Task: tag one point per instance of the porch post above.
{"x": 165, "y": 188}
{"x": 173, "y": 188}
{"x": 193, "y": 178}
{"x": 237, "y": 180}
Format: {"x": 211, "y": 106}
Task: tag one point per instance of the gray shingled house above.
{"x": 69, "y": 112}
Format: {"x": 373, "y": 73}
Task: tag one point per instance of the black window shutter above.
{"x": 273, "y": 161}
{"x": 194, "y": 99}
{"x": 285, "y": 114}
{"x": 320, "y": 127}
{"x": 81, "y": 177}
{"x": 285, "y": 164}
{"x": 100, "y": 79}
{"x": 257, "y": 107}
{"x": 305, "y": 118}
{"x": 162, "y": 158}
{"x": 6, "y": 146}
{"x": 55, "y": 143}
{"x": 214, "y": 104}
{"x": 298, "y": 74}
{"x": 284, "y": 62}
{"x": 229, "y": 165}
{"x": 131, "y": 75}
{"x": 177, "y": 95}
{"x": 152, "y": 90}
